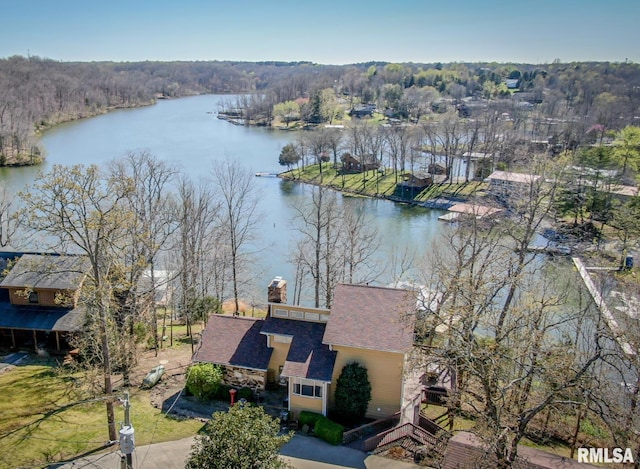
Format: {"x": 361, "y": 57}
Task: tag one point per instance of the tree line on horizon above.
{"x": 37, "y": 93}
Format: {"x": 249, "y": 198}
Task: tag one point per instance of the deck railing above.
{"x": 397, "y": 433}
{"x": 375, "y": 426}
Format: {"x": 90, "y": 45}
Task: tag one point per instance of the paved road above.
{"x": 302, "y": 452}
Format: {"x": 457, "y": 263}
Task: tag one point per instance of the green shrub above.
{"x": 204, "y": 379}
{"x": 222, "y": 394}
{"x": 140, "y": 332}
{"x": 353, "y": 393}
{"x": 329, "y": 431}
{"x": 245, "y": 393}
{"x": 309, "y": 418}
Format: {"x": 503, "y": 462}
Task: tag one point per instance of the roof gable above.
{"x": 374, "y": 318}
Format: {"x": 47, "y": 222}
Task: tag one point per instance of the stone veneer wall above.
{"x": 243, "y": 377}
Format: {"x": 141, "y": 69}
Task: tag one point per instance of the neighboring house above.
{"x": 305, "y": 349}
{"x": 39, "y": 298}
{"x": 505, "y": 185}
{"x": 362, "y": 110}
{"x": 412, "y": 184}
{"x": 512, "y": 83}
{"x": 351, "y": 164}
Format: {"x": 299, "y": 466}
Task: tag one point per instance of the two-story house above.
{"x": 507, "y": 185}
{"x": 39, "y": 298}
{"x": 305, "y": 349}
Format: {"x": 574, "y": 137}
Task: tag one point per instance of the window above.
{"x": 33, "y": 298}
{"x": 307, "y": 387}
{"x": 296, "y": 314}
{"x": 281, "y": 313}
{"x": 312, "y": 316}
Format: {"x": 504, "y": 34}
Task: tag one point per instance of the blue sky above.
{"x": 327, "y": 32}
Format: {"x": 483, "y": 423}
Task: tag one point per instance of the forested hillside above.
{"x": 36, "y": 93}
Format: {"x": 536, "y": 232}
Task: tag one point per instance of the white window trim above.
{"x": 308, "y": 382}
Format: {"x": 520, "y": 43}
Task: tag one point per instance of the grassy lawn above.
{"x": 372, "y": 184}
{"x": 49, "y": 414}
{"x": 459, "y": 423}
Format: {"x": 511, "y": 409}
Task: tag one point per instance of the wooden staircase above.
{"x": 426, "y": 437}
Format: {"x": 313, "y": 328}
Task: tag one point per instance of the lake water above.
{"x": 188, "y": 133}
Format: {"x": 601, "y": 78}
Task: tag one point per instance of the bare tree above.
{"x": 238, "y": 215}
{"x": 337, "y": 244}
{"x": 196, "y": 212}
{"x": 9, "y": 222}
{"x": 82, "y": 210}
{"x": 358, "y": 244}
{"x": 316, "y": 224}
{"x": 151, "y": 227}
{"x": 515, "y": 336}
{"x": 446, "y": 137}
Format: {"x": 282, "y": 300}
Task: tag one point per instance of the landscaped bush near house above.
{"x": 309, "y": 418}
{"x": 245, "y": 393}
{"x": 353, "y": 393}
{"x": 204, "y": 380}
{"x": 329, "y": 431}
{"x": 222, "y": 394}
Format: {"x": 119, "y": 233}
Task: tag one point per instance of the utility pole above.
{"x": 127, "y": 441}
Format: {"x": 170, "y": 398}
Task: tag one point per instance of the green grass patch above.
{"x": 374, "y": 184}
{"x": 459, "y": 423}
{"x": 49, "y": 414}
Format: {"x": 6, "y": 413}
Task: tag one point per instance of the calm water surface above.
{"x": 187, "y": 132}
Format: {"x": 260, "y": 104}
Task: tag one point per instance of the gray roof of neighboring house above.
{"x": 374, "y": 318}
{"x": 234, "y": 341}
{"x": 32, "y": 317}
{"x": 308, "y": 357}
{"x": 47, "y": 271}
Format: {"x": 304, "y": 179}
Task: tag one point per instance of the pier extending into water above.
{"x": 613, "y": 325}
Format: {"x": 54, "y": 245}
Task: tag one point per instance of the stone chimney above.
{"x": 277, "y": 291}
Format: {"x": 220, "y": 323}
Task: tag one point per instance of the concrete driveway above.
{"x": 302, "y": 452}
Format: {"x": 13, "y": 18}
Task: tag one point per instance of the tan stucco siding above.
{"x": 385, "y": 375}
{"x": 298, "y": 403}
{"x": 278, "y": 356}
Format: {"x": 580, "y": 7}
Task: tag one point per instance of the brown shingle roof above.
{"x": 234, "y": 341}
{"x": 374, "y": 318}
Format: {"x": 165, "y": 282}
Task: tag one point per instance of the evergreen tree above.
{"x": 353, "y": 393}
